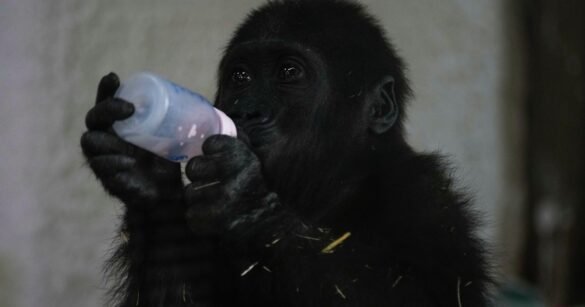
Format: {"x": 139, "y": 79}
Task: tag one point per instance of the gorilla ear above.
{"x": 384, "y": 107}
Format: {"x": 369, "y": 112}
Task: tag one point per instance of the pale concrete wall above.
{"x": 56, "y": 222}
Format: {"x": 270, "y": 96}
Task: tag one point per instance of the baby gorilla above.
{"x": 319, "y": 202}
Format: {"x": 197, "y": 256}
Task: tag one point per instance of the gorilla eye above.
{"x": 289, "y": 73}
{"x": 241, "y": 77}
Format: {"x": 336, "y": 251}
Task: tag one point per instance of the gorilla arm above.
{"x": 273, "y": 256}
{"x": 158, "y": 258}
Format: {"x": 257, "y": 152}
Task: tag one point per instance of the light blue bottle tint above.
{"x": 169, "y": 120}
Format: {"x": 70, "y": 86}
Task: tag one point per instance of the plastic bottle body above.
{"x": 169, "y": 120}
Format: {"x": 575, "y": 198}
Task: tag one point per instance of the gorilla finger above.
{"x": 110, "y": 165}
{"x": 107, "y": 87}
{"x": 104, "y": 114}
{"x": 94, "y": 143}
{"x": 203, "y": 221}
{"x": 203, "y": 216}
{"x": 220, "y": 143}
{"x": 202, "y": 168}
{"x": 201, "y": 194}
{"x": 243, "y": 136}
{"x": 232, "y": 155}
{"x": 130, "y": 187}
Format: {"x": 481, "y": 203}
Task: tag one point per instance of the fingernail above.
{"x": 112, "y": 76}
{"x": 128, "y": 108}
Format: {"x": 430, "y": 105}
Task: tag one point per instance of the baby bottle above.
{"x": 168, "y": 120}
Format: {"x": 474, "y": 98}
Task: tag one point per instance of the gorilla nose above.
{"x": 250, "y": 116}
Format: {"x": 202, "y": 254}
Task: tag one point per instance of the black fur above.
{"x": 315, "y": 88}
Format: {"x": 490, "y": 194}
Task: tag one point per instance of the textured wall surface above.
{"x": 56, "y": 222}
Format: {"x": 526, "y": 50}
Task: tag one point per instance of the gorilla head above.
{"x": 315, "y": 84}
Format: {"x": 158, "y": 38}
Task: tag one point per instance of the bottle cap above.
{"x": 227, "y": 126}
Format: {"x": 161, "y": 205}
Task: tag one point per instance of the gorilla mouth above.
{"x": 258, "y": 133}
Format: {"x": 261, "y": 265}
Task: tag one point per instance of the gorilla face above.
{"x": 280, "y": 95}
{"x": 271, "y": 90}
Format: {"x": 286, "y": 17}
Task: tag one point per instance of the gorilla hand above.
{"x": 227, "y": 187}
{"x": 132, "y": 174}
